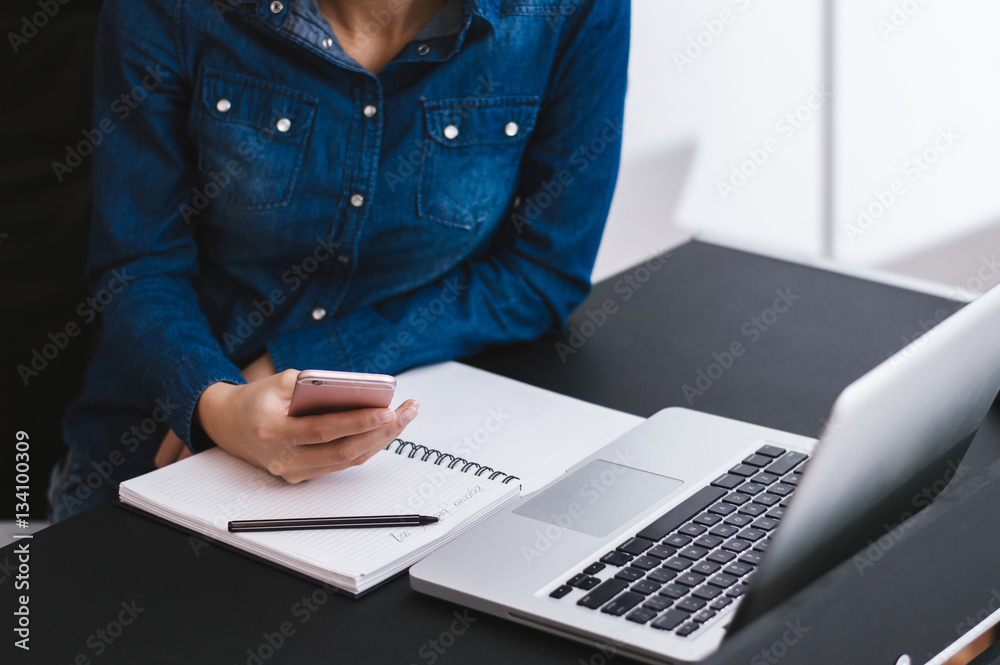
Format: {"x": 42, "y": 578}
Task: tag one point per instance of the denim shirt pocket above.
{"x": 252, "y": 136}
{"x": 471, "y": 157}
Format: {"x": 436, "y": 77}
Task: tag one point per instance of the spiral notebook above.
{"x": 479, "y": 440}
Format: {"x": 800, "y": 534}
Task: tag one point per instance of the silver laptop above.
{"x": 691, "y": 525}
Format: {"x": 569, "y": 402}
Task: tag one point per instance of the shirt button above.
{"x": 223, "y": 105}
{"x": 276, "y": 7}
{"x": 370, "y": 111}
{"x": 450, "y": 132}
{"x": 510, "y": 129}
{"x": 357, "y": 200}
{"x": 423, "y": 49}
{"x": 327, "y": 42}
{"x": 319, "y": 314}
{"x": 284, "y": 125}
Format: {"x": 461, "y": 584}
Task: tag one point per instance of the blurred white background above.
{"x": 863, "y": 131}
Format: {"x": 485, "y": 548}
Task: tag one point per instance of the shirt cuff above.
{"x": 190, "y": 377}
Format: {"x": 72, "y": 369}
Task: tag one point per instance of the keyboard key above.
{"x": 645, "y": 587}
{"x": 781, "y": 489}
{"x": 594, "y": 568}
{"x": 661, "y": 575}
{"x": 677, "y": 540}
{"x": 750, "y": 488}
{"x": 687, "y": 629}
{"x": 728, "y": 481}
{"x": 690, "y": 604}
{"x": 680, "y": 514}
{"x": 560, "y": 591}
{"x": 616, "y": 558}
{"x": 640, "y": 615}
{"x": 750, "y": 534}
{"x": 690, "y": 579}
{"x": 692, "y": 529}
{"x": 707, "y": 592}
{"x": 738, "y": 569}
{"x": 767, "y": 499}
{"x": 723, "y": 580}
{"x": 707, "y": 519}
{"x": 792, "y": 479}
{"x": 752, "y": 509}
{"x": 704, "y": 615}
{"x": 670, "y": 619}
{"x": 736, "y": 591}
{"x": 657, "y": 603}
{"x": 677, "y": 563}
{"x": 674, "y": 591}
{"x": 737, "y": 498}
{"x": 602, "y": 593}
{"x": 623, "y": 603}
{"x": 645, "y": 563}
{"x": 770, "y": 451}
{"x": 635, "y": 546}
{"x": 757, "y": 460}
{"x": 736, "y": 545}
{"x": 724, "y": 530}
{"x": 694, "y": 553}
{"x": 753, "y": 558}
{"x": 744, "y": 470}
{"x": 766, "y": 523}
{"x": 588, "y": 584}
{"x": 630, "y": 574}
{"x": 762, "y": 545}
{"x": 764, "y": 478}
{"x": 705, "y": 567}
{"x": 786, "y": 463}
{"x": 575, "y": 579}
{"x": 722, "y": 509}
{"x": 708, "y": 542}
{"x": 661, "y": 551}
{"x": 720, "y": 556}
{"x": 721, "y": 603}
{"x": 739, "y": 520}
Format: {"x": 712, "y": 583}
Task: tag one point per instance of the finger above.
{"x": 307, "y": 430}
{"x": 317, "y": 459}
{"x": 169, "y": 451}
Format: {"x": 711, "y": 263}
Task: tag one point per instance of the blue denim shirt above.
{"x": 256, "y": 190}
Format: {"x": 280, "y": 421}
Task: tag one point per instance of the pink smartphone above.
{"x": 318, "y": 391}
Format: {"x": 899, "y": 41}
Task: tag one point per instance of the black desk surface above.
{"x": 184, "y": 602}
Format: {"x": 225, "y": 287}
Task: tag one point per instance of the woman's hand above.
{"x": 172, "y": 449}
{"x": 251, "y": 421}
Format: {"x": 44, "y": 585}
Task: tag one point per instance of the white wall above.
{"x": 694, "y": 110}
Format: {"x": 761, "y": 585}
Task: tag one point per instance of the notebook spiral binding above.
{"x": 411, "y": 450}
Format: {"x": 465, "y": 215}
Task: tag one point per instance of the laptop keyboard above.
{"x": 692, "y": 563}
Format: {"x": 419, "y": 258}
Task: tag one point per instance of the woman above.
{"x": 362, "y": 185}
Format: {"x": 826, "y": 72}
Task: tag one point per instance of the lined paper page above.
{"x": 206, "y": 491}
{"x": 522, "y": 430}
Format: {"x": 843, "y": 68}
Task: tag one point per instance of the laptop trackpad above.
{"x": 598, "y": 498}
